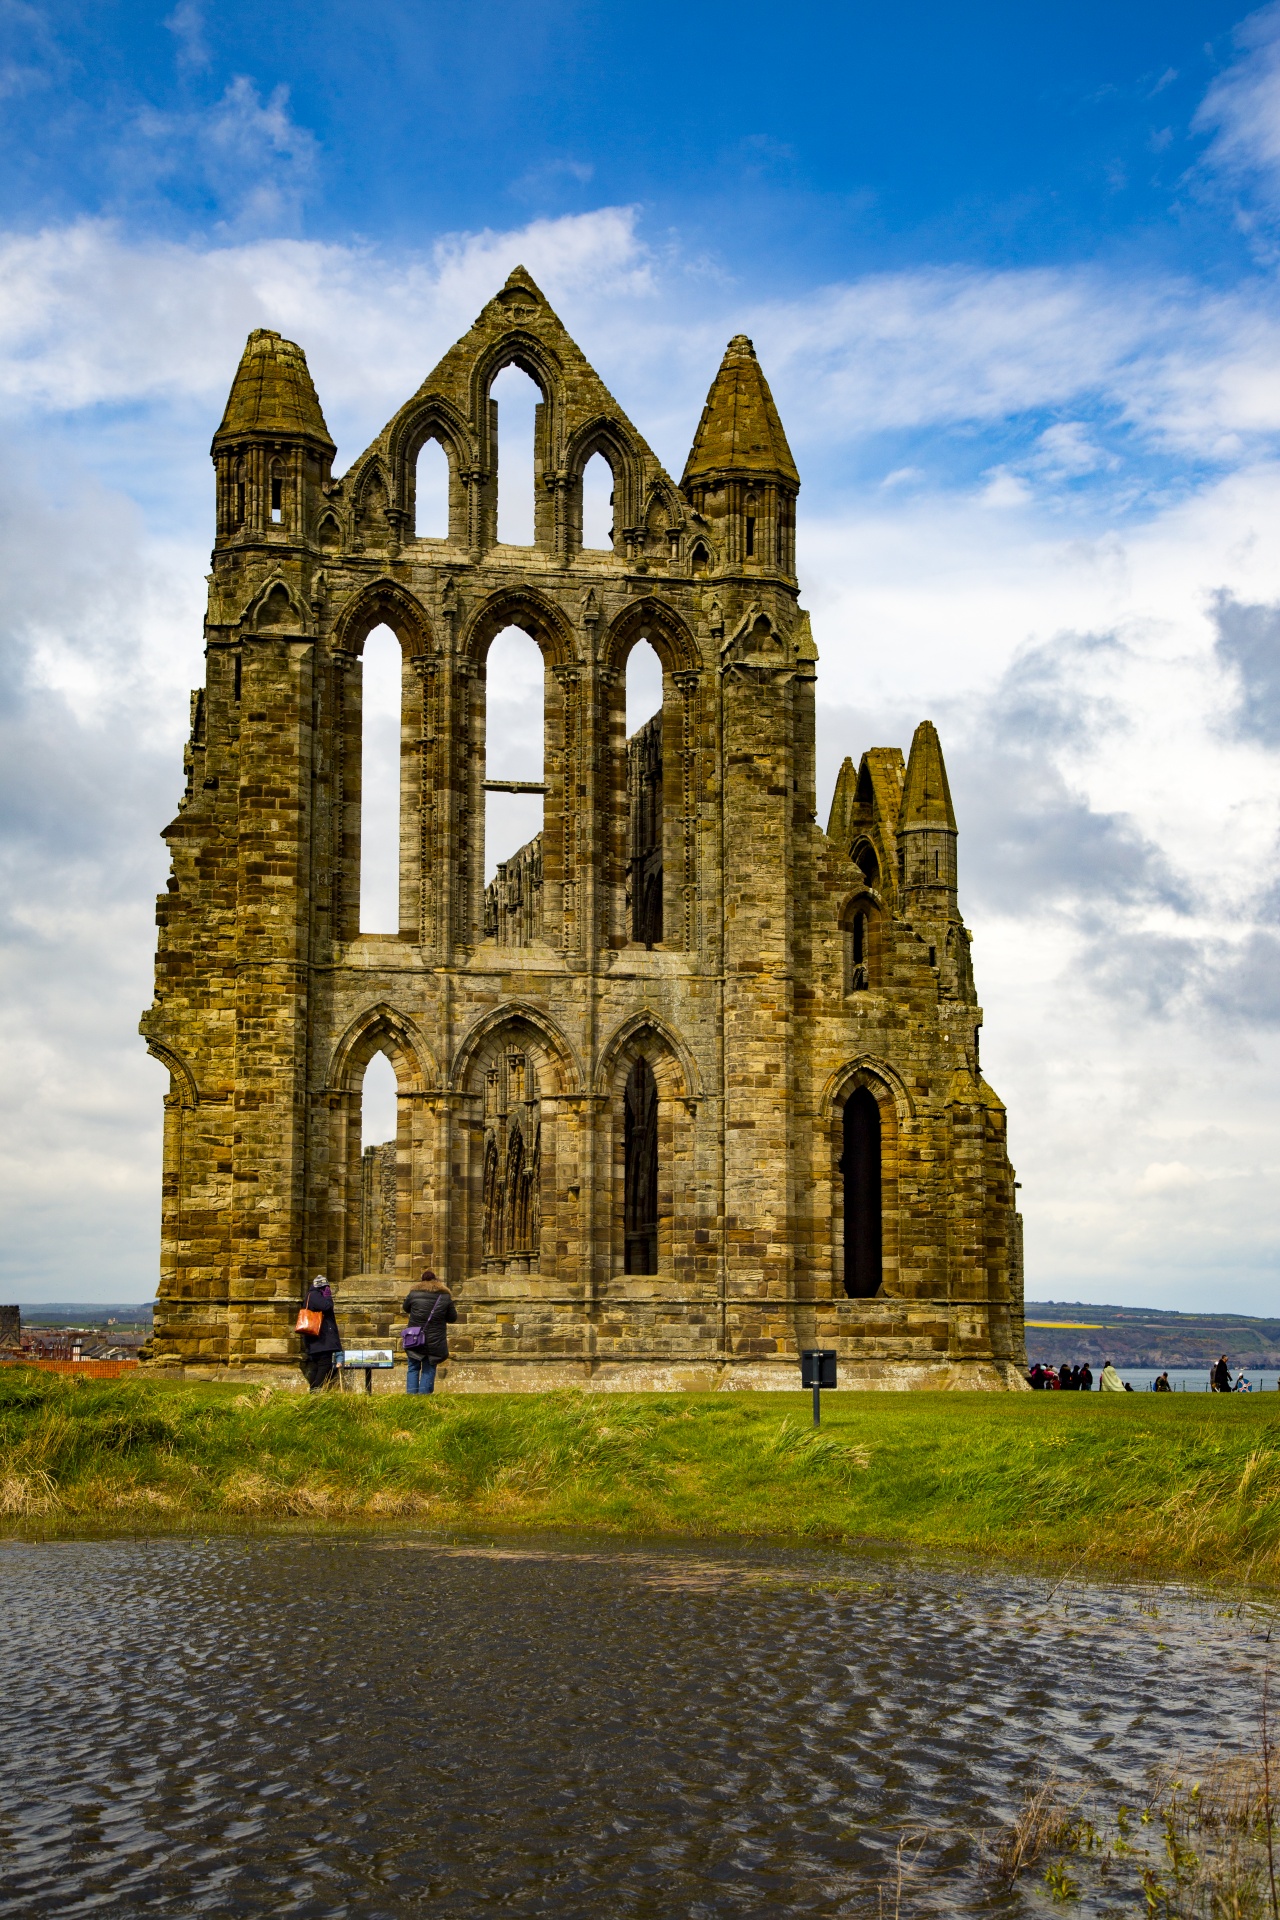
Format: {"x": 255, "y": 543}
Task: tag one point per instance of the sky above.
{"x": 1014, "y": 276}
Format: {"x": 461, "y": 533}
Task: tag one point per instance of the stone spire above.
{"x": 927, "y": 832}
{"x": 926, "y": 798}
{"x": 272, "y": 394}
{"x": 740, "y": 433}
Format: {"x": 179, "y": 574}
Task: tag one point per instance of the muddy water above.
{"x": 387, "y": 1726}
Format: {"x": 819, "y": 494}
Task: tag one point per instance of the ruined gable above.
{"x": 687, "y": 1084}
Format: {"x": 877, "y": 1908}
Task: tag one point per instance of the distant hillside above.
{"x": 56, "y": 1313}
{"x": 1146, "y": 1337}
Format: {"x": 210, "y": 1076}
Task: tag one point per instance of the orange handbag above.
{"x": 308, "y": 1322}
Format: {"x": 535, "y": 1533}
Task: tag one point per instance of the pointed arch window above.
{"x": 512, "y": 1175}
{"x": 515, "y": 790}
{"x": 516, "y": 400}
{"x": 860, "y": 1167}
{"x": 379, "y": 1168}
{"x": 381, "y": 676}
{"x": 431, "y": 492}
{"x": 645, "y": 795}
{"x": 640, "y": 1170}
{"x": 598, "y": 488}
{"x": 862, "y": 938}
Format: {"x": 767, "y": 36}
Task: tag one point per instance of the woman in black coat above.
{"x": 431, "y": 1312}
{"x": 321, "y": 1347}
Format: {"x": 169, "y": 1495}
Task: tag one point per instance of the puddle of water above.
{"x": 356, "y": 1726}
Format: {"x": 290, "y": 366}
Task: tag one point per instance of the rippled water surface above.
{"x": 381, "y": 1726}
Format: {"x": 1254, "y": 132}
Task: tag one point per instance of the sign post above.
{"x": 368, "y": 1358}
{"x": 818, "y": 1370}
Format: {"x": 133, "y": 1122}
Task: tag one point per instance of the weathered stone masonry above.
{"x": 698, "y": 1084}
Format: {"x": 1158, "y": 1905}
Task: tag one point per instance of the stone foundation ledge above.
{"x": 639, "y": 1376}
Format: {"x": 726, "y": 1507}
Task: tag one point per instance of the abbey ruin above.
{"x": 684, "y": 1083}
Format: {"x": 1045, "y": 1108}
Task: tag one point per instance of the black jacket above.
{"x": 328, "y": 1340}
{"x": 432, "y": 1308}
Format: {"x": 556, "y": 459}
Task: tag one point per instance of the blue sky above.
{"x": 1013, "y": 275}
{"x": 790, "y": 144}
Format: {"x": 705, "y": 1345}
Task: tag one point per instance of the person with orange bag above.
{"x": 318, "y": 1325}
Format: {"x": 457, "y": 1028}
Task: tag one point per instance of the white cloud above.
{"x": 1068, "y": 450}
{"x": 1119, "y": 820}
{"x": 186, "y": 24}
{"x": 1242, "y": 107}
{"x": 254, "y": 161}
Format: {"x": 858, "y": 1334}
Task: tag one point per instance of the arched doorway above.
{"x": 863, "y": 1225}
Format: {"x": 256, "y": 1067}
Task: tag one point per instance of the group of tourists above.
{"x": 1079, "y": 1379}
{"x": 1062, "y": 1379}
{"x": 429, "y": 1312}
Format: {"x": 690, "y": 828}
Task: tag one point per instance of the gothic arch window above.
{"x": 238, "y": 511}
{"x": 645, "y": 812}
{"x": 330, "y": 533}
{"x": 431, "y": 492}
{"x": 863, "y": 943}
{"x": 514, "y": 789}
{"x": 598, "y": 489}
{"x": 512, "y": 1164}
{"x": 699, "y": 560}
{"x": 277, "y": 493}
{"x": 865, "y": 859}
{"x": 640, "y": 1170}
{"x": 381, "y": 675}
{"x": 516, "y": 399}
{"x": 860, "y": 1169}
{"x": 379, "y": 1168}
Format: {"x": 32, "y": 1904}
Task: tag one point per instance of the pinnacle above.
{"x": 926, "y": 797}
{"x": 272, "y": 392}
{"x": 740, "y": 431}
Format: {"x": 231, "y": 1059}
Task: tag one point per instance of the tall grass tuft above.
{"x": 1175, "y": 1483}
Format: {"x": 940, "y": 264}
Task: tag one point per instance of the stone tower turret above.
{"x": 272, "y": 453}
{"x": 740, "y": 476}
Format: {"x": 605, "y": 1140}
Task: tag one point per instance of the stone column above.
{"x": 269, "y": 1093}
{"x": 758, "y": 1003}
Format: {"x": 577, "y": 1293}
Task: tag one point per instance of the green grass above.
{"x": 1185, "y": 1484}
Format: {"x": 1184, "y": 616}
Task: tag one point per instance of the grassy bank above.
{"x": 1181, "y": 1483}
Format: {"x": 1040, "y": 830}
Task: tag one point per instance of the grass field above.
{"x": 1174, "y": 1484}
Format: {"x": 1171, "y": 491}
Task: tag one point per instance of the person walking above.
{"x": 321, "y": 1347}
{"x": 1222, "y": 1376}
{"x": 1109, "y": 1380}
{"x": 431, "y": 1312}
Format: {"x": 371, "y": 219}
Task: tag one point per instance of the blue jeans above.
{"x": 422, "y": 1374}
